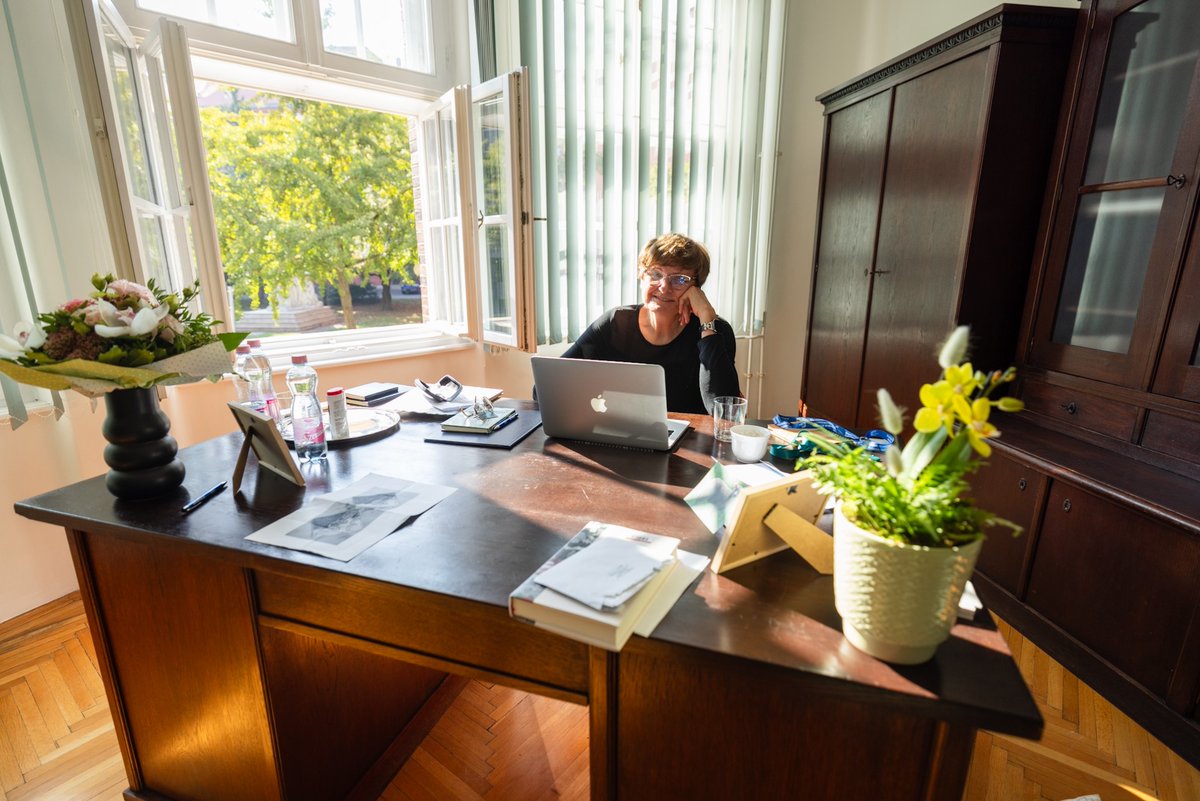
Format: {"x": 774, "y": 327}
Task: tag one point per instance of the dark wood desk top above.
{"x": 513, "y": 509}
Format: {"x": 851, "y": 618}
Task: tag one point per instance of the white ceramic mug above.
{"x": 750, "y": 442}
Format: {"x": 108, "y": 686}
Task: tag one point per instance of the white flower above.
{"x": 123, "y": 322}
{"x": 30, "y": 335}
{"x": 10, "y": 348}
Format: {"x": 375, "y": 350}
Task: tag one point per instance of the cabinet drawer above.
{"x": 1122, "y": 584}
{"x": 1081, "y": 409}
{"x": 465, "y": 632}
{"x": 1011, "y": 490}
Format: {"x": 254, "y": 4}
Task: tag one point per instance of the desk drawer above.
{"x": 465, "y": 632}
{"x": 1082, "y": 409}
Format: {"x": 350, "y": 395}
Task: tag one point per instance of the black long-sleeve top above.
{"x": 697, "y": 368}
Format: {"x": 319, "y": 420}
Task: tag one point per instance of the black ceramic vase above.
{"x": 140, "y": 453}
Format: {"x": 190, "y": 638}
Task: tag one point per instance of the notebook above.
{"x": 611, "y": 403}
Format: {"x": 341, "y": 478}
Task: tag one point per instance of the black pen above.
{"x": 192, "y": 506}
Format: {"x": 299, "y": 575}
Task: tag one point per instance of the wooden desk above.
{"x": 244, "y": 671}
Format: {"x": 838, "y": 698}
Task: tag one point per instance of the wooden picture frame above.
{"x": 769, "y": 518}
{"x": 264, "y": 439}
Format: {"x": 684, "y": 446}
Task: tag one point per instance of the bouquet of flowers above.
{"x": 121, "y": 336}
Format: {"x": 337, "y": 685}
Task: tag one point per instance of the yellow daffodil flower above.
{"x": 978, "y": 428}
{"x": 937, "y": 407}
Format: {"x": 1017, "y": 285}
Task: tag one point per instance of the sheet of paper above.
{"x": 417, "y": 403}
{"x": 606, "y": 573}
{"x": 344, "y": 523}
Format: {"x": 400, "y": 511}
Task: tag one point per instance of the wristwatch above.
{"x": 711, "y": 325}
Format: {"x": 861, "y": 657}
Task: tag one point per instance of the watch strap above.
{"x": 711, "y": 325}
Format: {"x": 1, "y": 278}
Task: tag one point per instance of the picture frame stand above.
{"x": 264, "y": 439}
{"x": 768, "y": 518}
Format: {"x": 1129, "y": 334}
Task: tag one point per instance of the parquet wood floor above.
{"x": 497, "y": 744}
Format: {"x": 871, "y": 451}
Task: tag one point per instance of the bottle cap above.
{"x": 333, "y": 391}
{"x": 243, "y": 349}
{"x": 300, "y": 359}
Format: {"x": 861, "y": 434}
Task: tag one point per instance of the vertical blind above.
{"x": 650, "y": 117}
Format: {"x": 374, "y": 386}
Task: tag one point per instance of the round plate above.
{"x": 366, "y": 425}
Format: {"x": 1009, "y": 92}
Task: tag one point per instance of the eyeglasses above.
{"x": 482, "y": 408}
{"x": 674, "y": 280}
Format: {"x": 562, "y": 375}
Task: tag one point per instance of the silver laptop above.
{"x": 612, "y": 403}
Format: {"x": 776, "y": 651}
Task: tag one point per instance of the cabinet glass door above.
{"x": 1119, "y": 224}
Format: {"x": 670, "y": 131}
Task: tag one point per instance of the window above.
{"x": 310, "y": 182}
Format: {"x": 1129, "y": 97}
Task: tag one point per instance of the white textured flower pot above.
{"x": 897, "y": 602}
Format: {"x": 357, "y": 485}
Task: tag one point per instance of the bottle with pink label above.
{"x": 308, "y": 426}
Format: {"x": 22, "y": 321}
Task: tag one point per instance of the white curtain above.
{"x": 650, "y": 117}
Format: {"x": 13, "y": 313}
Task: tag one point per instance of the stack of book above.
{"x": 372, "y": 394}
{"x": 608, "y": 583}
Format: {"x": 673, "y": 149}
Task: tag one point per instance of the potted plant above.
{"x": 906, "y": 534}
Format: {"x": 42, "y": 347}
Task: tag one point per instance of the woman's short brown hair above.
{"x": 676, "y": 250}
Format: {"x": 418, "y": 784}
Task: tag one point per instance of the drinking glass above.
{"x": 728, "y": 411}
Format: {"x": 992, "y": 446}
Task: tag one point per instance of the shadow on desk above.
{"x": 634, "y": 468}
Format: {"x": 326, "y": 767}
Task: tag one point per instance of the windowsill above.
{"x": 329, "y": 348}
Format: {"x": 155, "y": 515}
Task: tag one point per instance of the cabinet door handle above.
{"x": 1067, "y": 505}
{"x": 1177, "y": 181}
{"x": 1022, "y": 484}
{"x": 1070, "y": 408}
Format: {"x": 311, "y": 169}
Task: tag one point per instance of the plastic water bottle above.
{"x": 308, "y": 427}
{"x": 240, "y": 384}
{"x": 260, "y": 386}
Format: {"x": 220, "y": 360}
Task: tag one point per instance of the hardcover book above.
{"x": 374, "y": 392}
{"x": 554, "y": 611}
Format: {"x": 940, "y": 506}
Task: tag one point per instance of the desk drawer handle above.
{"x": 1022, "y": 484}
{"x": 1070, "y": 408}
{"x": 1067, "y": 505}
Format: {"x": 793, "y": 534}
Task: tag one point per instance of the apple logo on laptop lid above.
{"x": 599, "y": 405}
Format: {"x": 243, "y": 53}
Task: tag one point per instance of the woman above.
{"x": 675, "y": 326}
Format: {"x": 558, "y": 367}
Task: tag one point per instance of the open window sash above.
{"x": 447, "y": 202}
{"x": 476, "y": 142}
{"x": 147, "y": 122}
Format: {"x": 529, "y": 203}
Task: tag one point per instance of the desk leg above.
{"x": 603, "y": 667}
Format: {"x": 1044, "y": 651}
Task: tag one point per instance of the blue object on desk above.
{"x": 875, "y": 441}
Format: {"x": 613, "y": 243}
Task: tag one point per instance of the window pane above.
{"x": 496, "y": 280}
{"x": 1106, "y": 266}
{"x": 491, "y": 132}
{"x": 154, "y": 249}
{"x": 1144, "y": 95}
{"x": 391, "y": 32}
{"x": 129, "y": 114}
{"x": 314, "y": 210}
{"x": 269, "y": 18}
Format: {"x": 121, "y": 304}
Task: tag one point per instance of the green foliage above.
{"x": 309, "y": 192}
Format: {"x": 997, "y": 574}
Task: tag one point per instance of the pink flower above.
{"x": 169, "y": 327}
{"x": 124, "y": 288}
{"x": 71, "y": 306}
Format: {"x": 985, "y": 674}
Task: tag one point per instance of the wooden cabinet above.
{"x": 1110, "y": 374}
{"x": 1104, "y": 578}
{"x": 933, "y": 178}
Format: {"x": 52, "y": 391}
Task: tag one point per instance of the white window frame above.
{"x": 306, "y": 54}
